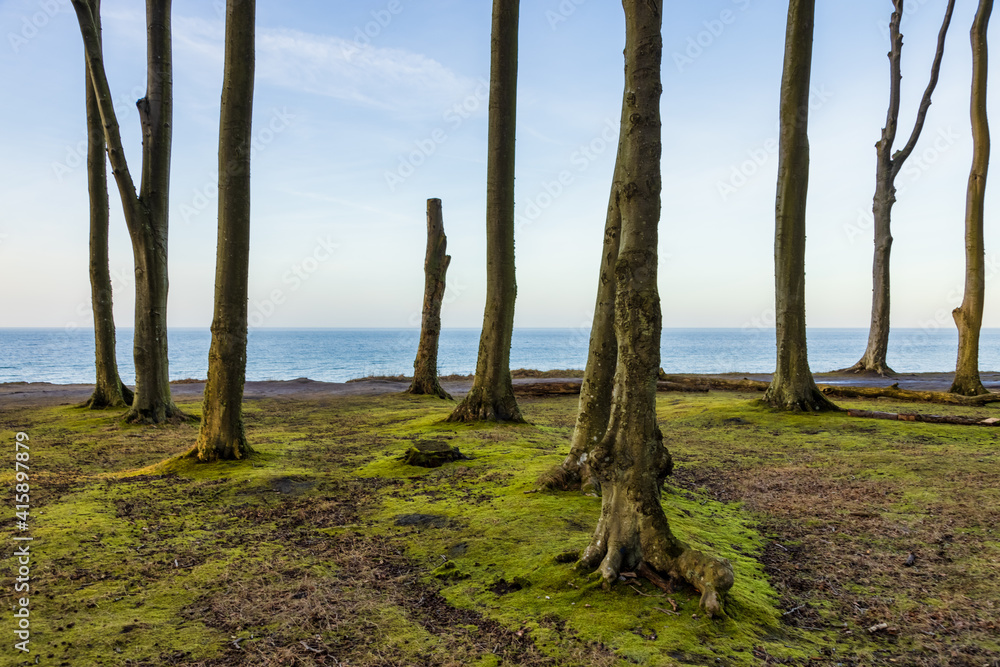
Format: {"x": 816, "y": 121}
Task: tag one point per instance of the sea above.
{"x": 63, "y": 356}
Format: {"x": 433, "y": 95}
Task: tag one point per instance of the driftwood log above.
{"x": 839, "y": 391}
{"x": 928, "y": 419}
{"x": 703, "y": 384}
{"x": 706, "y": 383}
{"x": 908, "y": 395}
{"x": 572, "y": 387}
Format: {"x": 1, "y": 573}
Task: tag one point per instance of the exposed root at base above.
{"x": 709, "y": 575}
{"x": 558, "y": 478}
{"x": 812, "y": 401}
{"x": 428, "y": 388}
{"x": 478, "y": 407}
{"x": 145, "y": 418}
{"x": 99, "y": 400}
{"x": 968, "y": 386}
{"x": 862, "y": 368}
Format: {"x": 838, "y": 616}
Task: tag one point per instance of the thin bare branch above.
{"x": 895, "y": 76}
{"x": 95, "y": 66}
{"x": 925, "y": 102}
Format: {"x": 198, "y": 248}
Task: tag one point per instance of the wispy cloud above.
{"x": 391, "y": 79}
{"x": 333, "y": 67}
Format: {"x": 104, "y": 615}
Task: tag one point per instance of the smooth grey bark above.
{"x": 602, "y": 354}
{"x": 492, "y": 395}
{"x": 146, "y": 212}
{"x": 222, "y": 435}
{"x": 792, "y": 387}
{"x": 436, "y": 261}
{"x": 969, "y": 316}
{"x": 630, "y": 462}
{"x": 109, "y": 390}
{"x": 887, "y": 167}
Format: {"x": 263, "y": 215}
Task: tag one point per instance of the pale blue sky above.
{"x": 364, "y": 109}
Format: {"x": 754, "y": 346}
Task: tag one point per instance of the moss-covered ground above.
{"x": 325, "y": 549}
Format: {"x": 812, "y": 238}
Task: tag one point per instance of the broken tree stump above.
{"x": 431, "y": 454}
{"x": 436, "y": 261}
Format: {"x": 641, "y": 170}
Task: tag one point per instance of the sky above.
{"x": 364, "y": 109}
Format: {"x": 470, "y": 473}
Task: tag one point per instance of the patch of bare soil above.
{"x": 840, "y": 562}
{"x": 323, "y": 599}
{"x": 315, "y": 620}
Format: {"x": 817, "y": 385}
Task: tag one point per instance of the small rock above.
{"x": 431, "y": 454}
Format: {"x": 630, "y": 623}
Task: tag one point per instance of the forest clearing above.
{"x": 854, "y": 542}
{"x": 738, "y": 511}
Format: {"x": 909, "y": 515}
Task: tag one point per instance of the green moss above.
{"x": 505, "y": 536}
{"x": 143, "y": 552}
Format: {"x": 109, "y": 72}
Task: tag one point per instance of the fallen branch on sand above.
{"x": 573, "y": 387}
{"x": 908, "y": 395}
{"x": 838, "y": 391}
{"x": 928, "y": 419}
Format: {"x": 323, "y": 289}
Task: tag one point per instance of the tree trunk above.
{"x": 792, "y": 387}
{"x": 146, "y": 213}
{"x": 969, "y": 316}
{"x": 425, "y": 374}
{"x": 874, "y": 359}
{"x": 887, "y": 167}
{"x": 492, "y": 396}
{"x": 222, "y": 436}
{"x": 630, "y": 462}
{"x": 602, "y": 356}
{"x": 109, "y": 390}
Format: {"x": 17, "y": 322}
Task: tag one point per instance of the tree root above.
{"x": 479, "y": 405}
{"x": 100, "y": 400}
{"x": 864, "y": 368}
{"x": 558, "y": 478}
{"x": 968, "y": 386}
{"x": 170, "y": 415}
{"x": 568, "y": 477}
{"x": 710, "y": 576}
{"x": 812, "y": 400}
{"x": 428, "y": 387}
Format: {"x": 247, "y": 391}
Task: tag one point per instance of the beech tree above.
{"x": 887, "y": 166}
{"x": 492, "y": 393}
{"x": 109, "y": 390}
{"x": 792, "y": 387}
{"x": 969, "y": 316}
{"x": 222, "y": 435}
{"x": 630, "y": 462}
{"x": 146, "y": 211}
{"x": 436, "y": 261}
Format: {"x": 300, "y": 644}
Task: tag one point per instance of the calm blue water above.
{"x": 336, "y": 355}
